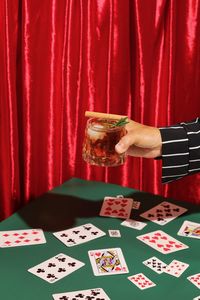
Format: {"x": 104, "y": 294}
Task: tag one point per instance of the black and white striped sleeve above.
{"x": 180, "y": 150}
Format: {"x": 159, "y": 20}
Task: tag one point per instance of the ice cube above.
{"x": 95, "y": 134}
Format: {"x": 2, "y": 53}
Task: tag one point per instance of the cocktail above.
{"x": 101, "y": 136}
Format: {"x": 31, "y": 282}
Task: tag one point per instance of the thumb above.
{"x": 124, "y": 144}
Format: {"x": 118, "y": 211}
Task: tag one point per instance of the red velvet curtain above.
{"x": 60, "y": 58}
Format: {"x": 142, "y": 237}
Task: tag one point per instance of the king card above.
{"x": 107, "y": 262}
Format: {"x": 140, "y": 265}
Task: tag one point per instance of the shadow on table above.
{"x": 54, "y": 212}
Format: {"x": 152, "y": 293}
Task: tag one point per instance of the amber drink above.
{"x": 101, "y": 136}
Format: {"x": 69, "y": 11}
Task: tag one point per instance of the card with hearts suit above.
{"x": 116, "y": 207}
{"x": 162, "y": 242}
{"x": 108, "y": 262}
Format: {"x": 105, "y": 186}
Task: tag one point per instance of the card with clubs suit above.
{"x": 79, "y": 235}
{"x": 25, "y": 237}
{"x": 116, "y": 207}
{"x": 91, "y": 294}
{"x": 163, "y": 213}
{"x": 162, "y": 242}
{"x": 57, "y": 267}
{"x": 155, "y": 264}
{"x": 107, "y": 262}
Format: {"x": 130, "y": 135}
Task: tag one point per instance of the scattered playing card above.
{"x": 91, "y": 294}
{"x": 114, "y": 233}
{"x": 155, "y": 264}
{"x": 195, "y": 279}
{"x": 141, "y": 281}
{"x": 190, "y": 229}
{"x": 56, "y": 267}
{"x": 116, "y": 207}
{"x": 134, "y": 224}
{"x": 108, "y": 262}
{"x": 79, "y": 235}
{"x": 162, "y": 242}
{"x": 25, "y": 237}
{"x": 163, "y": 213}
{"x": 197, "y": 298}
{"x": 176, "y": 268}
{"x": 136, "y": 204}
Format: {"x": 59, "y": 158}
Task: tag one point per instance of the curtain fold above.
{"x": 61, "y": 58}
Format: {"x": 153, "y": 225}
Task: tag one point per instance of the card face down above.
{"x": 163, "y": 213}
{"x": 93, "y": 294}
{"x": 162, "y": 242}
{"x": 25, "y": 237}
{"x": 107, "y": 262}
{"x": 56, "y": 268}
{"x": 79, "y": 235}
{"x": 116, "y": 207}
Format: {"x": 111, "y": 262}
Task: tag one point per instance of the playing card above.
{"x": 56, "y": 267}
{"x": 197, "y": 298}
{"x": 155, "y": 264}
{"x": 116, "y": 207}
{"x": 176, "y": 268}
{"x": 107, "y": 262}
{"x": 195, "y": 279}
{"x": 162, "y": 242}
{"x": 134, "y": 224}
{"x": 163, "y": 213}
{"x": 136, "y": 204}
{"x": 79, "y": 235}
{"x": 91, "y": 294}
{"x": 25, "y": 237}
{"x": 114, "y": 233}
{"x": 190, "y": 229}
{"x": 141, "y": 281}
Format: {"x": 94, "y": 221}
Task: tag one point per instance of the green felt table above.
{"x": 78, "y": 202}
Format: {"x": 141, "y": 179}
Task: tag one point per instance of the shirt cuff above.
{"x": 175, "y": 153}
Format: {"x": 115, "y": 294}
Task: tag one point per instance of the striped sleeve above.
{"x": 180, "y": 150}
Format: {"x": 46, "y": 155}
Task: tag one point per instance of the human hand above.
{"x": 140, "y": 141}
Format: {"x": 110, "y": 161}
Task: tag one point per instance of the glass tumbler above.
{"x": 101, "y": 136}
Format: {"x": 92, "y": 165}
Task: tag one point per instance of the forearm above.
{"x": 180, "y": 150}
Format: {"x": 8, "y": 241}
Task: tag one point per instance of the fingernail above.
{"x": 119, "y": 147}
